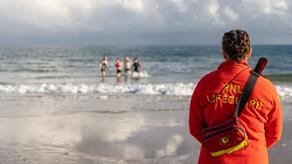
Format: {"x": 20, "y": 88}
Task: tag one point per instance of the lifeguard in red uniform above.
{"x": 261, "y": 117}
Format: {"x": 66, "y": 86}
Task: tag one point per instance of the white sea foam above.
{"x": 284, "y": 91}
{"x": 69, "y": 88}
{"x": 144, "y": 74}
{"x": 179, "y": 89}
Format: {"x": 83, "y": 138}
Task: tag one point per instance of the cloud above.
{"x": 229, "y": 13}
{"x": 135, "y": 5}
{"x": 141, "y": 21}
{"x": 268, "y": 7}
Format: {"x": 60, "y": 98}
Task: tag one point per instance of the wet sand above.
{"x": 88, "y": 130}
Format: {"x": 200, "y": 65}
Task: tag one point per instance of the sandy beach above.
{"x": 105, "y": 129}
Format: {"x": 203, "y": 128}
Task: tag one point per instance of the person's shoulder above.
{"x": 267, "y": 85}
{"x": 207, "y": 77}
{"x": 266, "y": 81}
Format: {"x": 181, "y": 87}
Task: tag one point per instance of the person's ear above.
{"x": 249, "y": 53}
{"x": 225, "y": 55}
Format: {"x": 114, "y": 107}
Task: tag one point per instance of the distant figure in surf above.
{"x": 103, "y": 66}
{"x": 127, "y": 64}
{"x": 136, "y": 68}
{"x": 119, "y": 68}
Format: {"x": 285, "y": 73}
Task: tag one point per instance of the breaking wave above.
{"x": 184, "y": 89}
{"x": 284, "y": 91}
{"x": 178, "y": 89}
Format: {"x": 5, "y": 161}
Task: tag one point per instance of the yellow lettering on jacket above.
{"x": 259, "y": 105}
{"x": 232, "y": 88}
{"x": 224, "y": 99}
{"x": 230, "y": 95}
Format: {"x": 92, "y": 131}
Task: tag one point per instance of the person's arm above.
{"x": 140, "y": 67}
{"x": 196, "y": 116}
{"x": 99, "y": 67}
{"x": 273, "y": 128}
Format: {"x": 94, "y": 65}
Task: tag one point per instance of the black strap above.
{"x": 249, "y": 85}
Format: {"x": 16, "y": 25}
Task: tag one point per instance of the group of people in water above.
{"x": 130, "y": 67}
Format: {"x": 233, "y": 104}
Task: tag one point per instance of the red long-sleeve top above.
{"x": 261, "y": 117}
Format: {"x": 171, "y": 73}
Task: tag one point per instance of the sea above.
{"x": 166, "y": 70}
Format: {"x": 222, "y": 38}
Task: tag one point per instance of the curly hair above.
{"x": 236, "y": 44}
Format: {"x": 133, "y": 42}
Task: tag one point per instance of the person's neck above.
{"x": 242, "y": 60}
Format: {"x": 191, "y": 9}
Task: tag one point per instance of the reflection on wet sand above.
{"x": 88, "y": 137}
{"x": 38, "y": 139}
{"x": 135, "y": 137}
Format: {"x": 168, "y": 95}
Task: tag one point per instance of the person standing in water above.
{"x": 103, "y": 66}
{"x": 261, "y": 117}
{"x": 136, "y": 68}
{"x": 127, "y": 65}
{"x": 119, "y": 68}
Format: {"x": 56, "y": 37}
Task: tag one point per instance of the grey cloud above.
{"x": 142, "y": 21}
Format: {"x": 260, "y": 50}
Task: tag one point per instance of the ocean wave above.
{"x": 284, "y": 91}
{"x": 30, "y": 70}
{"x": 142, "y": 74}
{"x": 176, "y": 89}
{"x": 69, "y": 88}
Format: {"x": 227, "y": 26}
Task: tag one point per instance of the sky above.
{"x": 142, "y": 22}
